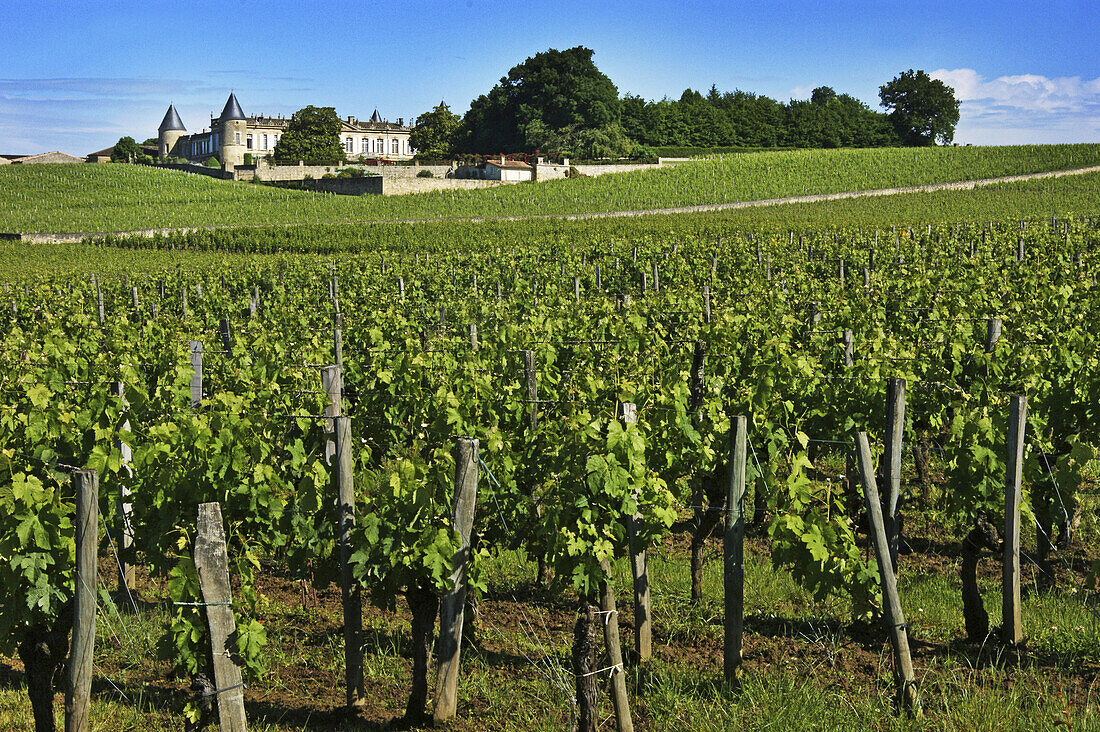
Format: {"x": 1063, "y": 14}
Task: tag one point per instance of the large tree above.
{"x": 923, "y": 110}
{"x": 125, "y": 150}
{"x": 433, "y": 135}
{"x": 312, "y": 136}
{"x": 550, "y": 91}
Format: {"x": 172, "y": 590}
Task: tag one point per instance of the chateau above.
{"x": 232, "y": 135}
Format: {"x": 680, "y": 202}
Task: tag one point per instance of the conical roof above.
{"x": 376, "y": 117}
{"x": 232, "y": 109}
{"x": 171, "y": 120}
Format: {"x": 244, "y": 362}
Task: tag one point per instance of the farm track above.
{"x": 965, "y": 185}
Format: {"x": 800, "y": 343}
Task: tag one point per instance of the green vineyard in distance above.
{"x": 610, "y": 312}
{"x": 106, "y": 198}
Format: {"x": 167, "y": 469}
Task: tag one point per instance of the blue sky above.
{"x": 77, "y": 75}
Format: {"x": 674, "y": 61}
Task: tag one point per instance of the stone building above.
{"x": 232, "y": 135}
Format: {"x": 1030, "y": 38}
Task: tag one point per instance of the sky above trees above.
{"x": 79, "y": 74}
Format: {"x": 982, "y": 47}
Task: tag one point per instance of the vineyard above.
{"x": 610, "y": 476}
{"x": 111, "y": 198}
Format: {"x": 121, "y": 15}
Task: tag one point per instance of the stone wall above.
{"x": 401, "y": 186}
{"x": 595, "y": 169}
{"x": 300, "y": 172}
{"x": 368, "y": 184}
{"x": 550, "y": 171}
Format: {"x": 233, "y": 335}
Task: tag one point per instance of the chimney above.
{"x": 351, "y": 120}
{"x": 502, "y": 161}
{"x": 400, "y": 121}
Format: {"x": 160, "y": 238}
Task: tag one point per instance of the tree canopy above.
{"x": 125, "y": 150}
{"x": 312, "y": 136}
{"x": 923, "y": 110}
{"x": 546, "y": 93}
{"x": 433, "y": 135}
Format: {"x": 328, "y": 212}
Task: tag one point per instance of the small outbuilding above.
{"x": 50, "y": 157}
{"x": 507, "y": 170}
{"x": 101, "y": 156}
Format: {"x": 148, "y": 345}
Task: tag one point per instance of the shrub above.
{"x": 424, "y": 174}
{"x": 213, "y": 162}
{"x": 248, "y": 158}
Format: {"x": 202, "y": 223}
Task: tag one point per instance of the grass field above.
{"x": 50, "y": 198}
{"x": 1034, "y": 200}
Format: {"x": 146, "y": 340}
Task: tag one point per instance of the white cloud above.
{"x": 1024, "y": 107}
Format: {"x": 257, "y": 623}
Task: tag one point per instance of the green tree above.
{"x": 433, "y": 135}
{"x": 312, "y": 136}
{"x": 125, "y": 150}
{"x": 556, "y": 89}
{"x": 923, "y": 110}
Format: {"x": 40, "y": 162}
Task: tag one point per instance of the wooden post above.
{"x": 706, "y": 303}
{"x": 733, "y": 548}
{"x": 904, "y": 677}
{"x": 656, "y": 279}
{"x": 846, "y": 343}
{"x": 599, "y": 280}
{"x": 123, "y": 507}
{"x": 619, "y": 699}
{"x": 992, "y": 333}
{"x": 332, "y": 382}
{"x": 891, "y": 461}
{"x": 99, "y": 300}
{"x": 639, "y": 570}
{"x": 78, "y": 685}
{"x": 1012, "y": 630}
{"x": 577, "y": 289}
{"x": 338, "y": 338}
{"x": 134, "y": 298}
{"x": 227, "y": 337}
{"x": 452, "y": 608}
{"x": 401, "y": 288}
{"x": 183, "y": 303}
{"x": 212, "y": 566}
{"x": 532, "y": 387}
{"x": 473, "y": 336}
{"x": 498, "y": 293}
{"x": 196, "y": 377}
{"x": 353, "y": 603}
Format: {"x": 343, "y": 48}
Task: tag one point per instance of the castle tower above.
{"x": 170, "y": 130}
{"x": 234, "y": 128}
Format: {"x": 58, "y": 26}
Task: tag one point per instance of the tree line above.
{"x": 560, "y": 103}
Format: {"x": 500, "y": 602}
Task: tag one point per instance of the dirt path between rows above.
{"x": 965, "y": 185}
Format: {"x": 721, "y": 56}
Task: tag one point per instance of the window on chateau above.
{"x": 265, "y": 142}
{"x": 236, "y": 138}
{"x": 379, "y": 146}
{"x": 349, "y": 145}
{"x": 395, "y": 147}
{"x": 248, "y": 141}
{"x": 366, "y": 144}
